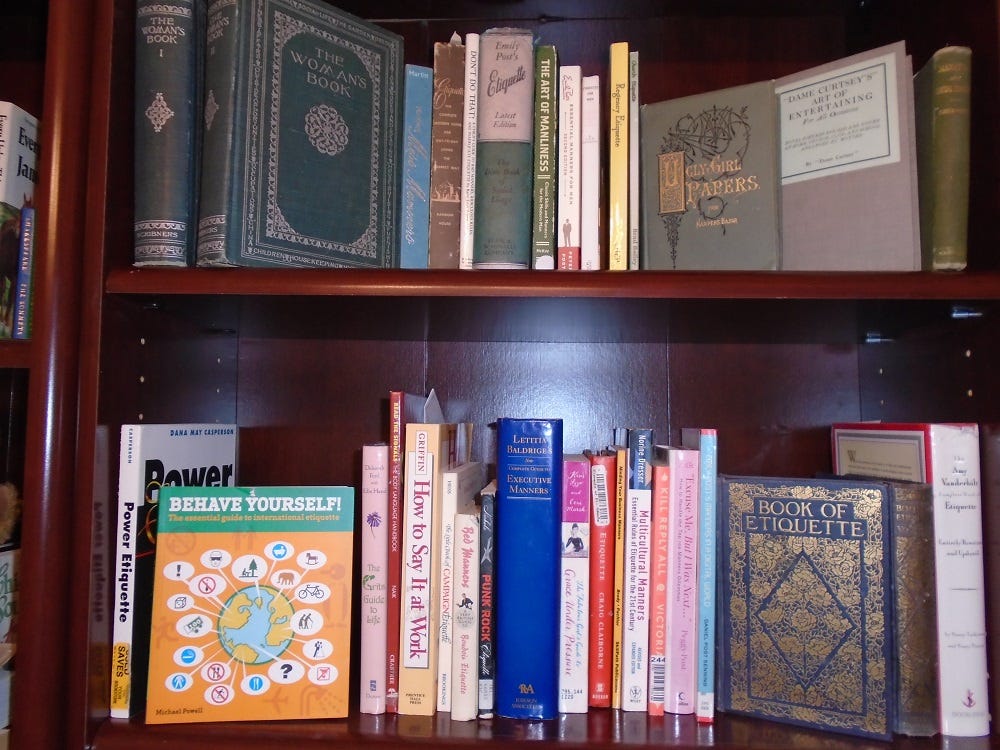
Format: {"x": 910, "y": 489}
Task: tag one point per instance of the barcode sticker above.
{"x": 599, "y": 486}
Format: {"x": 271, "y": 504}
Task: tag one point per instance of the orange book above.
{"x": 658, "y": 588}
{"x": 602, "y": 576}
{"x": 621, "y": 492}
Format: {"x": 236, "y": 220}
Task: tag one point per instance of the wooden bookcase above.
{"x": 303, "y": 360}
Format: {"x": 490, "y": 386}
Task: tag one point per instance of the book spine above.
{"x": 445, "y": 588}
{"x": 470, "y": 118}
{"x": 635, "y": 623}
{"x": 394, "y": 570}
{"x": 416, "y": 161}
{"x": 529, "y": 485}
{"x": 621, "y": 495}
{"x": 681, "y": 581}
{"x": 487, "y": 616}
{"x": 222, "y": 160}
{"x": 618, "y": 156}
{"x": 543, "y": 227}
{"x": 943, "y": 94}
{"x": 504, "y": 149}
{"x": 129, "y": 500}
{"x": 574, "y": 591}
{"x": 590, "y": 174}
{"x": 660, "y": 535}
{"x": 602, "y": 578}
{"x": 954, "y": 471}
{"x": 465, "y": 608}
{"x": 23, "y": 301}
{"x": 446, "y": 153}
{"x": 374, "y": 563}
{"x": 568, "y": 186}
{"x": 634, "y": 200}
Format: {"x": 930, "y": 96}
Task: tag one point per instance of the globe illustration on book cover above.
{"x": 256, "y": 625}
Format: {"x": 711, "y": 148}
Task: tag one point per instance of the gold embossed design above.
{"x": 670, "y": 167}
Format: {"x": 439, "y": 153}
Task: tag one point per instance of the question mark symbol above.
{"x": 286, "y": 670}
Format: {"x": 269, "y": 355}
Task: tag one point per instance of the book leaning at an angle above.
{"x": 252, "y": 604}
{"x": 153, "y": 457}
{"x": 169, "y": 47}
{"x": 528, "y": 508}
{"x": 18, "y": 176}
{"x": 374, "y": 565}
{"x": 947, "y": 457}
{"x": 574, "y": 585}
{"x": 303, "y": 121}
{"x": 846, "y": 133}
{"x": 942, "y": 91}
{"x": 711, "y": 203}
{"x": 805, "y": 596}
{"x": 415, "y": 182}
{"x": 504, "y": 153}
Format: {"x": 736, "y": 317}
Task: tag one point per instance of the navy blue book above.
{"x": 528, "y": 508}
{"x": 806, "y": 602}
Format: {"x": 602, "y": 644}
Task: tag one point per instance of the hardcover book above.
{"x": 153, "y": 457}
{"x": 447, "y": 123}
{"x": 602, "y": 576}
{"x": 846, "y": 134}
{"x": 252, "y": 604}
{"x": 487, "y": 617}
{"x": 706, "y": 442}
{"x": 430, "y": 451}
{"x": 504, "y": 149}
{"x": 568, "y": 185}
{"x": 465, "y": 609}
{"x": 18, "y": 177}
{"x": 23, "y": 300}
{"x": 946, "y": 456}
{"x": 805, "y": 601}
{"x": 590, "y": 174}
{"x": 303, "y": 123}
{"x": 711, "y": 203}
{"x": 546, "y": 149}
{"x": 374, "y": 564}
{"x": 416, "y": 163}
{"x": 942, "y": 91}
{"x": 528, "y": 507}
{"x": 169, "y": 44}
{"x": 618, "y": 156}
{"x": 470, "y": 128}
{"x": 574, "y": 588}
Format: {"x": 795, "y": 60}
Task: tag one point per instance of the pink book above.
{"x": 574, "y": 586}
{"x": 680, "y": 687}
{"x": 374, "y": 569}
{"x": 658, "y": 589}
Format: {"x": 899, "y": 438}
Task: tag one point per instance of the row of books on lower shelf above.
{"x": 632, "y": 577}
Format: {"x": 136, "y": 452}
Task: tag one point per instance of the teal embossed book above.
{"x": 302, "y": 115}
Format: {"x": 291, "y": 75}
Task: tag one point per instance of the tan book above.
{"x": 447, "y": 116}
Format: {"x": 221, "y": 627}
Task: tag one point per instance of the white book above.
{"x": 568, "y": 185}
{"x": 574, "y": 586}
{"x": 635, "y": 626}
{"x": 153, "y": 456}
{"x": 460, "y": 487}
{"x": 634, "y": 196}
{"x": 469, "y": 129}
{"x": 374, "y": 576}
{"x": 465, "y": 609}
{"x": 590, "y": 174}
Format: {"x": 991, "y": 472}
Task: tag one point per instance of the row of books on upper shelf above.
{"x": 321, "y": 148}
{"x": 633, "y": 577}
{"x": 18, "y": 177}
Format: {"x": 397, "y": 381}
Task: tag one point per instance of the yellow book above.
{"x": 621, "y": 493}
{"x": 431, "y": 449}
{"x": 618, "y": 157}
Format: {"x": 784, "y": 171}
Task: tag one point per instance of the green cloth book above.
{"x": 942, "y": 95}
{"x": 303, "y": 113}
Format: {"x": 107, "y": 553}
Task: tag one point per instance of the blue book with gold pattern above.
{"x": 806, "y": 607}
{"x": 528, "y": 517}
{"x": 302, "y": 116}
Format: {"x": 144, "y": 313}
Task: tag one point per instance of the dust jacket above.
{"x": 806, "y": 603}
{"x": 710, "y": 181}
{"x": 302, "y": 137}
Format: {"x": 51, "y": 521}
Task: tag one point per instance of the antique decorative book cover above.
{"x": 711, "y": 202}
{"x": 806, "y": 603}
{"x": 303, "y": 122}
{"x": 252, "y": 604}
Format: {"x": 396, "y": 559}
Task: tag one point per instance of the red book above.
{"x": 394, "y": 570}
{"x": 602, "y": 577}
{"x": 658, "y": 587}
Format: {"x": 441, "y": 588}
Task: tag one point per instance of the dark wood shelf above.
{"x": 628, "y": 284}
